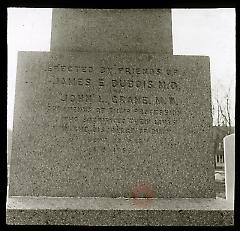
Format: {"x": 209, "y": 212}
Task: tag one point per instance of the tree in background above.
{"x": 222, "y": 110}
{"x": 222, "y": 119}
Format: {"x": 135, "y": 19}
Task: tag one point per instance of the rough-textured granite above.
{"x": 109, "y": 211}
{"x": 112, "y": 30}
{"x": 168, "y": 150}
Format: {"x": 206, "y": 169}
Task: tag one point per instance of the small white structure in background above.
{"x": 229, "y": 156}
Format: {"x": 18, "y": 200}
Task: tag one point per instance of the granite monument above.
{"x": 108, "y": 110}
{"x": 99, "y": 124}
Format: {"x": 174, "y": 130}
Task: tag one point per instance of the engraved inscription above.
{"x": 97, "y": 101}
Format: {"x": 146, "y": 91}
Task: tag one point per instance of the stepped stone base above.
{"x": 118, "y": 211}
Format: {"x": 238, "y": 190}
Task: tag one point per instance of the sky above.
{"x": 209, "y": 32}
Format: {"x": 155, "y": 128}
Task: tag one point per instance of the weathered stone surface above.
{"x": 229, "y": 166}
{"x": 161, "y": 138}
{"x": 96, "y": 203}
{"x": 109, "y": 211}
{"x": 112, "y": 30}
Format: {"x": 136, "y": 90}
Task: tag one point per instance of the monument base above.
{"x": 118, "y": 211}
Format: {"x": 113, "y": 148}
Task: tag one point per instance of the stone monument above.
{"x": 229, "y": 166}
{"x": 108, "y": 110}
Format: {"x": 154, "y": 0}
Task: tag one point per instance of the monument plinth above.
{"x": 116, "y": 130}
{"x": 97, "y": 125}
